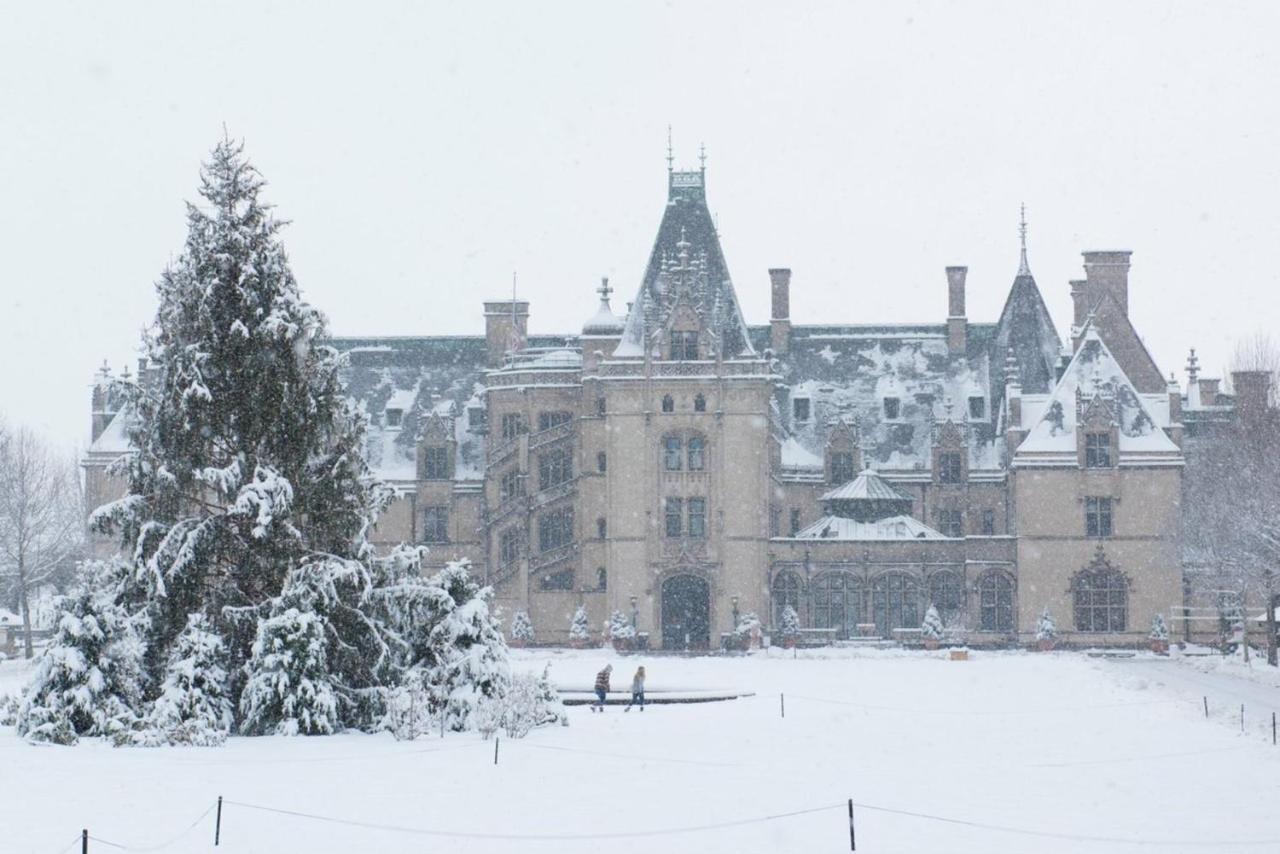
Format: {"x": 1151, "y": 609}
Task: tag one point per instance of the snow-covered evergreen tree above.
{"x": 521, "y": 627}
{"x": 748, "y": 625}
{"x": 1159, "y": 630}
{"x": 619, "y": 627}
{"x": 193, "y": 707}
{"x": 289, "y": 691}
{"x": 1047, "y": 629}
{"x": 789, "y": 625}
{"x": 931, "y": 628}
{"x": 579, "y": 626}
{"x": 88, "y": 682}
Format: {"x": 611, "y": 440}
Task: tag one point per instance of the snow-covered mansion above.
{"x": 681, "y": 466}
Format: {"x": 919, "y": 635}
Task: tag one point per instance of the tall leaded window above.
{"x": 602, "y": 528}
{"x": 1097, "y": 450}
{"x": 697, "y": 453}
{"x": 684, "y": 345}
{"x": 951, "y": 523}
{"x": 800, "y": 409}
{"x": 435, "y": 524}
{"x": 672, "y": 451}
{"x": 511, "y": 485}
{"x": 547, "y": 420}
{"x": 561, "y": 580}
{"x": 949, "y": 467}
{"x": 508, "y": 547}
{"x": 786, "y": 591}
{"x": 837, "y": 602}
{"x": 555, "y": 529}
{"x": 555, "y": 467}
{"x": 673, "y": 512}
{"x": 602, "y": 579}
{"x": 697, "y": 517}
{"x": 989, "y": 522}
{"x": 512, "y": 425}
{"x": 602, "y": 462}
{"x": 1101, "y": 600}
{"x": 1097, "y": 516}
{"x": 842, "y": 467}
{"x": 946, "y": 593}
{"x": 668, "y": 403}
{"x": 892, "y": 407}
{"x": 895, "y": 602}
{"x": 435, "y": 463}
{"x": 699, "y": 403}
{"x": 995, "y": 602}
{"x": 795, "y": 521}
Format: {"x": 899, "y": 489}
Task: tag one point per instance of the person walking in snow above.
{"x": 602, "y": 687}
{"x": 637, "y": 689}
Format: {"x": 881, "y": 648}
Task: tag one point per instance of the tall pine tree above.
{"x": 247, "y": 462}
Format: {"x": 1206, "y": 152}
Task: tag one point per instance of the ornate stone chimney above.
{"x": 780, "y": 317}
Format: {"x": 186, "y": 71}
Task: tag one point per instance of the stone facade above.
{"x": 684, "y": 468}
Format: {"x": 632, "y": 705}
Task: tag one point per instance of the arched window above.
{"x": 786, "y": 591}
{"x": 699, "y": 403}
{"x": 602, "y": 528}
{"x": 995, "y": 602}
{"x": 895, "y": 602}
{"x": 1101, "y": 600}
{"x": 837, "y": 602}
{"x": 672, "y": 451}
{"x": 697, "y": 453}
{"x": 668, "y": 403}
{"x": 602, "y": 579}
{"x": 946, "y": 593}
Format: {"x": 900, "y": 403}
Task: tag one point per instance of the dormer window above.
{"x": 1097, "y": 450}
{"x": 949, "y": 467}
{"x": 892, "y": 407}
{"x": 394, "y": 417}
{"x": 841, "y": 467}
{"x": 800, "y": 409}
{"x": 684, "y": 346}
{"x": 977, "y": 408}
{"x": 435, "y": 463}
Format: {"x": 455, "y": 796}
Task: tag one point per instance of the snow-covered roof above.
{"x": 1094, "y": 377}
{"x": 893, "y": 528}
{"x": 114, "y": 439}
{"x": 604, "y": 321}
{"x": 869, "y": 486}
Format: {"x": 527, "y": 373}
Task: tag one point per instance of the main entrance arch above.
{"x": 686, "y": 613}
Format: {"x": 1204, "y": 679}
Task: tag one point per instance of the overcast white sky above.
{"x": 425, "y": 151}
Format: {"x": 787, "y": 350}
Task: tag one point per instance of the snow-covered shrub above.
{"x": 619, "y": 627}
{"x": 579, "y": 626}
{"x": 288, "y": 691}
{"x": 9, "y": 706}
{"x": 748, "y": 626}
{"x": 1046, "y": 629}
{"x": 194, "y": 707}
{"x": 521, "y": 627}
{"x": 89, "y": 680}
{"x": 1159, "y": 631}
{"x": 532, "y": 701}
{"x": 789, "y": 624}
{"x": 408, "y": 711}
{"x": 931, "y": 628}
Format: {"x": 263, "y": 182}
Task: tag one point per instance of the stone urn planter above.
{"x": 1160, "y": 646}
{"x": 931, "y": 643}
{"x": 1046, "y": 644}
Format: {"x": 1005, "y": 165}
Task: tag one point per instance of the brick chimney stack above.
{"x": 1253, "y": 393}
{"x": 1107, "y": 272}
{"x": 957, "y": 324}
{"x": 506, "y": 328}
{"x": 780, "y": 317}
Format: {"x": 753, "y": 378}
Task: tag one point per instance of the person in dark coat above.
{"x": 602, "y": 687}
{"x": 637, "y": 690}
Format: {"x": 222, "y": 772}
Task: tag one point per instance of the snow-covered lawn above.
{"x": 1053, "y": 743}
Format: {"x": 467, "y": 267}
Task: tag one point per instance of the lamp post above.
{"x": 635, "y": 615}
{"x": 735, "y": 612}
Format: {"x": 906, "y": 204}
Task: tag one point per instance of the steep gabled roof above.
{"x": 1113, "y": 323}
{"x": 1094, "y": 380}
{"x": 687, "y": 258}
{"x": 1025, "y": 327}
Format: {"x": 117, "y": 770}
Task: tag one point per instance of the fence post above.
{"x": 1206, "y": 706}
{"x": 1242, "y": 717}
{"x": 84, "y": 841}
{"x": 1273, "y": 728}
{"x": 217, "y": 824}
{"x": 782, "y": 704}
{"x": 496, "y": 739}
{"x": 853, "y": 842}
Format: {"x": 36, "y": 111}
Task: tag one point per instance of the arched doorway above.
{"x": 686, "y": 613}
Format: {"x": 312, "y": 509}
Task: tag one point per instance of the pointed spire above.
{"x": 1024, "y": 269}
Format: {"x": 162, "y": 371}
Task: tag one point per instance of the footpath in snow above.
{"x": 1006, "y": 752}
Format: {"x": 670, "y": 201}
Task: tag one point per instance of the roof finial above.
{"x": 671, "y": 155}
{"x": 702, "y": 155}
{"x": 604, "y": 290}
{"x": 1024, "y": 269}
{"x": 1193, "y": 366}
